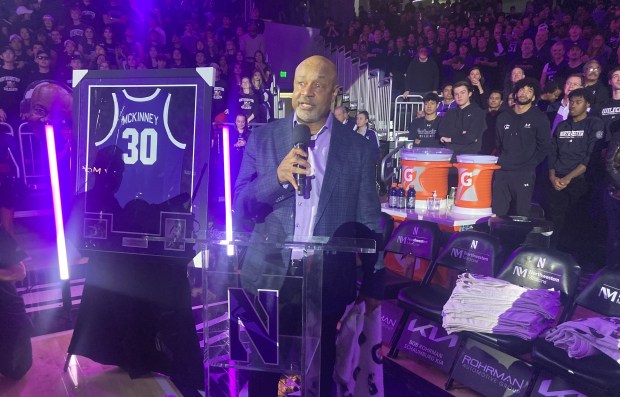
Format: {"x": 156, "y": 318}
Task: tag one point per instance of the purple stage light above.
{"x": 230, "y": 249}
{"x": 61, "y": 247}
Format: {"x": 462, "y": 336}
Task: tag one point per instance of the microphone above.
{"x": 301, "y": 139}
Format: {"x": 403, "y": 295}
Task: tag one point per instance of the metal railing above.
{"x": 7, "y": 129}
{"x": 384, "y": 102}
{"x": 33, "y": 157}
{"x": 405, "y": 110}
{"x": 363, "y": 88}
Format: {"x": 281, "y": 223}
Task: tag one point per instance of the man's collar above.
{"x": 328, "y": 123}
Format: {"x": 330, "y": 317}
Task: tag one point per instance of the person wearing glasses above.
{"x": 43, "y": 69}
{"x": 591, "y": 77}
{"x": 558, "y": 111}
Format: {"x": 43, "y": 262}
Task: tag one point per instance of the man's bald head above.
{"x": 341, "y": 113}
{"x": 49, "y": 102}
{"x": 319, "y": 63}
{"x": 315, "y": 89}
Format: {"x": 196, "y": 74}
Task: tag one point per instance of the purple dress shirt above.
{"x": 307, "y": 205}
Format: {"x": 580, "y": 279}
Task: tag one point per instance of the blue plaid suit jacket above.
{"x": 348, "y": 199}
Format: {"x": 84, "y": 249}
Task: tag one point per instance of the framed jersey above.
{"x": 141, "y": 164}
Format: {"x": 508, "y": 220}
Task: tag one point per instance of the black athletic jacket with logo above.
{"x": 573, "y": 143}
{"x": 522, "y": 140}
{"x": 465, "y": 127}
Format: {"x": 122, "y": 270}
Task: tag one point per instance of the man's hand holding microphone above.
{"x": 295, "y": 166}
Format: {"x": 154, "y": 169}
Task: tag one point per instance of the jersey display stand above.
{"x": 141, "y": 198}
{"x": 273, "y": 332}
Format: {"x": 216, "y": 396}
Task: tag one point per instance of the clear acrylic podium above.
{"x": 272, "y": 329}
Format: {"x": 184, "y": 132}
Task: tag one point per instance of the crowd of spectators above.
{"x": 460, "y": 35}
{"x": 48, "y": 39}
{"x": 559, "y": 59}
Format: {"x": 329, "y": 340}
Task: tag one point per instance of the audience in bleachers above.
{"x": 564, "y": 45}
{"x": 46, "y": 40}
{"x": 422, "y": 47}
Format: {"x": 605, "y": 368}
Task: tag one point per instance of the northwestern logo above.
{"x": 543, "y": 389}
{"x": 432, "y": 333}
{"x": 416, "y": 231}
{"x": 520, "y": 272}
{"x": 457, "y": 253}
{"x": 263, "y": 336}
{"x": 389, "y": 322}
{"x": 474, "y": 244}
{"x": 408, "y": 240}
{"x": 609, "y": 293}
{"x": 541, "y": 262}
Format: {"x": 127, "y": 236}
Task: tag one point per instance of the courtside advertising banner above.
{"x": 428, "y": 341}
{"x": 548, "y": 385}
{"x": 490, "y": 372}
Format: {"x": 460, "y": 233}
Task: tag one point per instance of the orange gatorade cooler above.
{"x": 473, "y": 194}
{"x": 426, "y": 170}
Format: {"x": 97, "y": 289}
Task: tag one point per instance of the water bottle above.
{"x": 410, "y": 198}
{"x": 393, "y": 198}
{"x": 401, "y": 197}
{"x": 451, "y": 195}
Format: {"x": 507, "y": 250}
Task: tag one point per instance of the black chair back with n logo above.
{"x": 542, "y": 268}
{"x": 418, "y": 238}
{"x": 602, "y": 294}
{"x": 598, "y": 374}
{"x": 470, "y": 251}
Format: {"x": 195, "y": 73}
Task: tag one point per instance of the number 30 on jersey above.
{"x": 141, "y": 146}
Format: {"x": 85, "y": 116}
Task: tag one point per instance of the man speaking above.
{"x": 339, "y": 199}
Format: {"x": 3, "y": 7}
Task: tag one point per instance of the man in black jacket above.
{"x": 571, "y": 147}
{"x": 461, "y": 128}
{"x": 522, "y": 143}
{"x": 591, "y": 77}
{"x": 422, "y": 74}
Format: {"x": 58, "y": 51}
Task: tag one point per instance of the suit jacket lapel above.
{"x": 283, "y": 139}
{"x": 334, "y": 164}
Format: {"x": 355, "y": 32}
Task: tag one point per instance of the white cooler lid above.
{"x": 476, "y": 159}
{"x": 426, "y": 154}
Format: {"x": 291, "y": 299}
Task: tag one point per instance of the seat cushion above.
{"x": 427, "y": 300}
{"x": 507, "y": 343}
{"x": 600, "y": 370}
{"x": 394, "y": 282}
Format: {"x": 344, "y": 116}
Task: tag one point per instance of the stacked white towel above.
{"x": 588, "y": 336}
{"x": 487, "y": 304}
